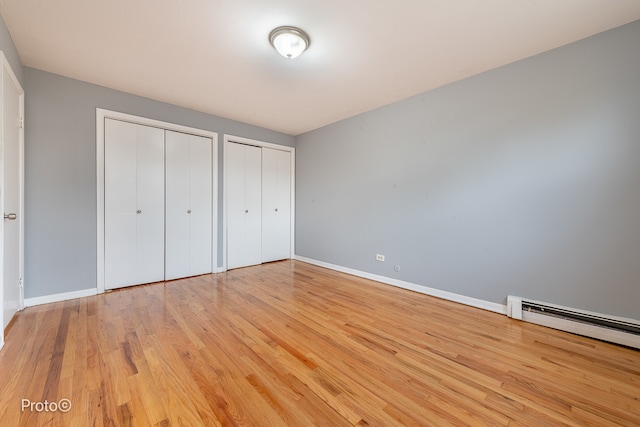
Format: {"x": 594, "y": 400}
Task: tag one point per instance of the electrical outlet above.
{"x": 379, "y": 257}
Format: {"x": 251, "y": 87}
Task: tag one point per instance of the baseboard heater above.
{"x": 595, "y": 325}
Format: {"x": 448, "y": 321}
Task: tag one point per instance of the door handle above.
{"x": 10, "y": 216}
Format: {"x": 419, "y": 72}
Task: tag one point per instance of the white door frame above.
{"x": 101, "y": 115}
{"x": 227, "y": 139}
{"x": 6, "y": 66}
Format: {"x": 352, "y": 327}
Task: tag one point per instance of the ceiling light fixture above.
{"x": 290, "y": 42}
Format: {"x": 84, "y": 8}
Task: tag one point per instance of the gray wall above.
{"x": 524, "y": 180}
{"x": 60, "y": 181}
{"x": 10, "y": 52}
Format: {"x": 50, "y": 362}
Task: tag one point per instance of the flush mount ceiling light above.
{"x": 290, "y": 42}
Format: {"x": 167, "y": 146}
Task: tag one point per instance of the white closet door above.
{"x": 201, "y": 203}
{"x": 178, "y": 201}
{"x": 276, "y": 205}
{"x": 244, "y": 210}
{"x": 134, "y": 204}
{"x": 188, "y": 205}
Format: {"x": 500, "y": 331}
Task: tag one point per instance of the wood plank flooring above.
{"x": 291, "y": 344}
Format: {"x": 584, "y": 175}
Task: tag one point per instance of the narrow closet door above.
{"x": 188, "y": 205}
{"x": 244, "y": 210}
{"x": 276, "y": 205}
{"x": 134, "y": 204}
{"x": 150, "y": 212}
{"x": 201, "y": 206}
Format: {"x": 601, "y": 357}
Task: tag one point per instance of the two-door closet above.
{"x": 158, "y": 204}
{"x": 259, "y": 187}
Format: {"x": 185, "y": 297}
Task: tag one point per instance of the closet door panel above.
{"x": 188, "y": 205}
{"x": 276, "y": 203}
{"x": 253, "y": 203}
{"x": 120, "y": 204}
{"x": 234, "y": 176}
{"x": 134, "y": 204}
{"x": 177, "y": 203}
{"x": 201, "y": 202}
{"x": 244, "y": 223}
{"x": 150, "y": 195}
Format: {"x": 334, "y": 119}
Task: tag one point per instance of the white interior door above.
{"x": 244, "y": 205}
{"x": 134, "y": 204}
{"x": 11, "y": 196}
{"x": 276, "y": 204}
{"x": 188, "y": 205}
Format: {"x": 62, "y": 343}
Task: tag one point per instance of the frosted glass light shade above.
{"x": 290, "y": 42}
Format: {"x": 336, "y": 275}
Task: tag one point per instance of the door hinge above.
{"x": 21, "y": 122}
{"x": 20, "y": 285}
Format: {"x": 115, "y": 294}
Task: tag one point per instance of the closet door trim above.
{"x": 101, "y": 115}
{"x": 227, "y": 139}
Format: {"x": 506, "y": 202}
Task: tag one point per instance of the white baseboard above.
{"x": 449, "y": 296}
{"x": 46, "y": 299}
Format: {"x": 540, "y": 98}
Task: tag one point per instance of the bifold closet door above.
{"x": 244, "y": 205}
{"x": 134, "y": 204}
{"x": 276, "y": 205}
{"x": 188, "y": 205}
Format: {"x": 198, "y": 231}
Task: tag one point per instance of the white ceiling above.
{"x": 214, "y": 56}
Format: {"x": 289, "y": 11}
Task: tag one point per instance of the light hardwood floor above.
{"x": 290, "y": 344}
